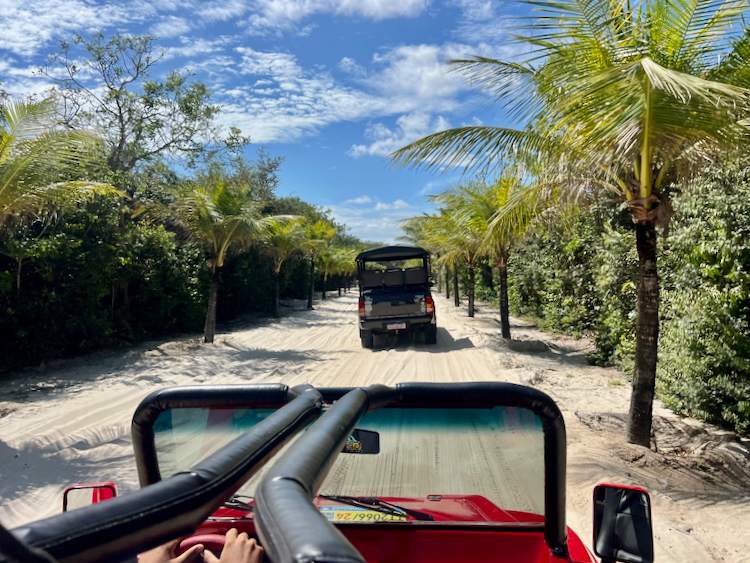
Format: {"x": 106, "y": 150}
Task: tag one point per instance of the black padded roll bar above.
{"x": 119, "y": 528}
{"x": 271, "y": 395}
{"x": 291, "y": 528}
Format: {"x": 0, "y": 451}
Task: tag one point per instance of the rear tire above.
{"x": 367, "y": 338}
{"x": 430, "y": 335}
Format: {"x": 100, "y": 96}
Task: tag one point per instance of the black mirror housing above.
{"x": 362, "y": 441}
{"x": 622, "y": 524}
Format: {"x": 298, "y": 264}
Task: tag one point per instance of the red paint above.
{"x": 429, "y": 543}
{"x": 100, "y": 492}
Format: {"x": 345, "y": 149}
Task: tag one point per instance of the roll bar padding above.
{"x": 291, "y": 528}
{"x": 173, "y": 507}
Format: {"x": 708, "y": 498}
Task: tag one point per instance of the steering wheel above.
{"x": 212, "y": 542}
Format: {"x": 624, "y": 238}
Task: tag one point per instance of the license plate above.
{"x": 396, "y": 326}
{"x": 341, "y": 514}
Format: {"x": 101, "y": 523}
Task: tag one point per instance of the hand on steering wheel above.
{"x": 168, "y": 553}
{"x": 238, "y": 548}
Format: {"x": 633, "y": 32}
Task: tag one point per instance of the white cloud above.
{"x": 222, "y": 10}
{"x": 281, "y": 66}
{"x": 350, "y": 66}
{"x": 286, "y": 102}
{"x": 409, "y": 128}
{"x": 170, "y": 26}
{"x": 293, "y": 101}
{"x": 417, "y": 77}
{"x": 359, "y": 200}
{"x": 382, "y": 224}
{"x": 190, "y": 47}
{"x": 28, "y": 26}
{"x": 274, "y": 16}
{"x": 395, "y": 204}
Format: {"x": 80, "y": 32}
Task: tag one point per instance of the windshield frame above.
{"x": 240, "y": 396}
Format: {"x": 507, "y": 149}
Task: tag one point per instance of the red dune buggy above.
{"x": 412, "y": 473}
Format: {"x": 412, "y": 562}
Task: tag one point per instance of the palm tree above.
{"x": 318, "y": 236}
{"x": 435, "y": 232}
{"x": 464, "y": 217}
{"x": 478, "y": 206}
{"x": 282, "y": 240}
{"x": 222, "y": 217}
{"x": 37, "y": 161}
{"x": 344, "y": 265}
{"x": 626, "y": 97}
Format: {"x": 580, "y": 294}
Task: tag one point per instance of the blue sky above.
{"x": 333, "y": 86}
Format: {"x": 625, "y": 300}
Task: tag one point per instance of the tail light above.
{"x": 361, "y": 308}
{"x": 429, "y": 305}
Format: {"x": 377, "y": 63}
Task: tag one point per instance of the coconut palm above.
{"x": 481, "y": 204}
{"x": 282, "y": 240}
{"x": 318, "y": 236}
{"x": 37, "y": 161}
{"x": 465, "y": 213}
{"x": 345, "y": 266}
{"x": 222, "y": 217}
{"x": 622, "y": 96}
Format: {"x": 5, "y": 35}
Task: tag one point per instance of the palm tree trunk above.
{"x": 311, "y": 287}
{"x": 276, "y": 294}
{"x": 447, "y": 283}
{"x": 19, "y": 265}
{"x": 456, "y": 300}
{"x": 646, "y": 338}
{"x": 471, "y": 287}
{"x": 209, "y": 329}
{"x": 325, "y": 284}
{"x": 502, "y": 266}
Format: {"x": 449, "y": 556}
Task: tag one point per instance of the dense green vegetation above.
{"x": 617, "y": 100}
{"x": 578, "y": 276}
{"x": 126, "y": 216}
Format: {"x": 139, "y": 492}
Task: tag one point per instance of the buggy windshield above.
{"x": 486, "y": 460}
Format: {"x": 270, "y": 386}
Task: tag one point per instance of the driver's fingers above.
{"x": 210, "y": 557}
{"x": 194, "y": 552}
{"x": 257, "y": 554}
{"x": 171, "y": 546}
{"x": 231, "y": 535}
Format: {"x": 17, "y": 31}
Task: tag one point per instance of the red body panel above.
{"x": 436, "y": 543}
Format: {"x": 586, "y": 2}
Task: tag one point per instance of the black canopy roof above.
{"x": 392, "y": 253}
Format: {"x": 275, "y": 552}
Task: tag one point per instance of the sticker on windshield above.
{"x": 356, "y": 514}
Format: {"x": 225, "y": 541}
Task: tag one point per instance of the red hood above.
{"x": 456, "y": 508}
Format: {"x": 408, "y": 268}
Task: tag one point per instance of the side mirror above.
{"x": 362, "y": 442}
{"x": 622, "y": 524}
{"x": 84, "y": 494}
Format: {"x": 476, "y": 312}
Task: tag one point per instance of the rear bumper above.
{"x": 381, "y": 325}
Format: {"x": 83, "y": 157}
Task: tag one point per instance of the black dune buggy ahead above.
{"x": 394, "y": 293}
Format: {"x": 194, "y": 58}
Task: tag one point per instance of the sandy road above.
{"x": 71, "y": 423}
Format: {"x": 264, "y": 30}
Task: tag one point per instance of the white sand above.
{"x": 71, "y": 423}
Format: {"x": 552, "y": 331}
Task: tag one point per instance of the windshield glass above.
{"x": 388, "y": 265}
{"x": 484, "y": 455}
{"x": 185, "y": 436}
{"x": 496, "y": 453}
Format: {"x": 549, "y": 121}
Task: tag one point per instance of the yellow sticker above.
{"x": 356, "y": 514}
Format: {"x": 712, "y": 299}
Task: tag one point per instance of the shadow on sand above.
{"x": 403, "y": 342}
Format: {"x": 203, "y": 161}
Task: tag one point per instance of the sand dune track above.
{"x": 70, "y": 423}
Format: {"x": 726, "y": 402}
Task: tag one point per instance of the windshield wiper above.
{"x": 379, "y": 505}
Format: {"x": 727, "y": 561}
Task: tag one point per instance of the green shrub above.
{"x": 704, "y": 356}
